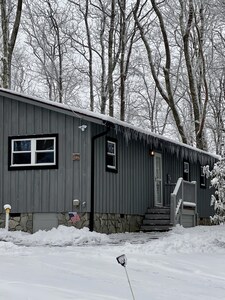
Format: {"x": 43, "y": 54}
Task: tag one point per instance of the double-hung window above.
{"x": 33, "y": 152}
{"x": 111, "y": 155}
{"x": 202, "y": 177}
{"x": 186, "y": 171}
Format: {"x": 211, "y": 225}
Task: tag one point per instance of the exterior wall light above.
{"x": 82, "y": 127}
{"x": 152, "y": 152}
{"x": 76, "y": 202}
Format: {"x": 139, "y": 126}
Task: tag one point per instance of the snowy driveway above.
{"x": 65, "y": 263}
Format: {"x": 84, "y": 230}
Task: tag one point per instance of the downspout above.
{"x": 93, "y": 139}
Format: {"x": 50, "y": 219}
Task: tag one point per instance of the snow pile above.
{"x": 61, "y": 237}
{"x": 200, "y": 239}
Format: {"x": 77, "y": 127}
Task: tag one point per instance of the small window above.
{"x": 202, "y": 178}
{"x": 33, "y": 152}
{"x": 111, "y": 155}
{"x": 186, "y": 172}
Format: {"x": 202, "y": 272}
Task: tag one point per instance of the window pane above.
{"x": 111, "y": 148}
{"x": 45, "y": 157}
{"x": 158, "y": 167}
{"x": 24, "y": 145}
{"x": 110, "y": 161}
{"x": 45, "y": 144}
{"x": 186, "y": 167}
{"x": 202, "y": 171}
{"x": 21, "y": 158}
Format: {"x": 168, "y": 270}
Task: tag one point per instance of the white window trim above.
{"x": 202, "y": 175}
{"x": 33, "y": 151}
{"x": 113, "y": 167}
{"x": 186, "y": 166}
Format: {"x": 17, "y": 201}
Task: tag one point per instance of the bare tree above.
{"x": 95, "y": 52}
{"x": 10, "y": 30}
{"x": 189, "y": 36}
{"x": 127, "y": 41}
{"x": 166, "y": 93}
{"x": 44, "y": 26}
{"x": 78, "y": 41}
{"x": 199, "y": 106}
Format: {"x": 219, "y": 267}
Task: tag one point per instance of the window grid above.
{"x": 186, "y": 171}
{"x": 34, "y": 151}
{"x": 111, "y": 151}
{"x": 202, "y": 177}
{"x": 111, "y": 155}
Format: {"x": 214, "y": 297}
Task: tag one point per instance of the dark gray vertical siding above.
{"x": 21, "y": 119}
{"x": 194, "y": 174}
{"x": 130, "y": 190}
{"x": 203, "y": 194}
{"x": 14, "y": 110}
{"x": 86, "y": 168}
{"x": 7, "y": 192}
{"x": 204, "y": 198}
{"x": 1, "y": 152}
{"x": 43, "y": 190}
{"x": 70, "y": 177}
{"x": 60, "y": 201}
{"x": 173, "y": 165}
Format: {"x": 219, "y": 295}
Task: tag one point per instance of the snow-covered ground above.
{"x": 66, "y": 263}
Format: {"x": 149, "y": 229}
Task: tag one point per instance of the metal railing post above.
{"x": 172, "y": 209}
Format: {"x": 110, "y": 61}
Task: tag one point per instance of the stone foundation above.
{"x": 117, "y": 223}
{"x": 20, "y": 222}
{"x": 64, "y": 219}
{"x": 103, "y": 223}
{"x": 204, "y": 221}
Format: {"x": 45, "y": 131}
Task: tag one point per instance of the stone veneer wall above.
{"x": 204, "y": 221}
{"x": 117, "y": 223}
{"x": 104, "y": 223}
{"x": 23, "y": 222}
{"x": 64, "y": 219}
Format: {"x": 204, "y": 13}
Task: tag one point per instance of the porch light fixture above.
{"x": 82, "y": 127}
{"x": 152, "y": 152}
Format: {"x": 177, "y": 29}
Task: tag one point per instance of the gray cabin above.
{"x": 66, "y": 166}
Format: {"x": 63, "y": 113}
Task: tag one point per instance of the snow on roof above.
{"x": 129, "y": 130}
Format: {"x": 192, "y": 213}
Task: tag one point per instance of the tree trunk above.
{"x": 9, "y": 40}
{"x": 110, "y": 59}
{"x": 122, "y": 58}
{"x": 167, "y": 95}
{"x": 90, "y": 66}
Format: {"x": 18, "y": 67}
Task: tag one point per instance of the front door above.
{"x": 158, "y": 179}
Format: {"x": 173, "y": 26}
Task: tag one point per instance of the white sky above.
{"x": 67, "y": 263}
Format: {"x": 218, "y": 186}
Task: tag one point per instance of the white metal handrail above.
{"x": 178, "y": 207}
{"x": 181, "y": 198}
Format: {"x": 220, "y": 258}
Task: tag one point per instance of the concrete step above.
{"x": 157, "y": 216}
{"x": 147, "y": 228}
{"x": 156, "y": 222}
{"x": 156, "y": 219}
{"x": 158, "y": 210}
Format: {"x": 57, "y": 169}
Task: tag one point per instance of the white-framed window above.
{"x": 186, "y": 172}
{"x": 202, "y": 177}
{"x": 33, "y": 152}
{"x": 111, "y": 155}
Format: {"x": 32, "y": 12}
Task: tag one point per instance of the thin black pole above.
{"x": 93, "y": 139}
